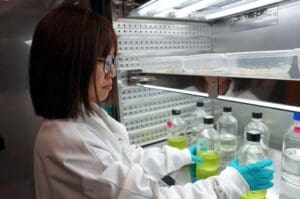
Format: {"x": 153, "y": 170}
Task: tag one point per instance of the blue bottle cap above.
{"x": 296, "y": 116}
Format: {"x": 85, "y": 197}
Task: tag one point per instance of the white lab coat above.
{"x": 92, "y": 158}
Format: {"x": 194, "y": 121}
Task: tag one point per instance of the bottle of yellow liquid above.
{"x": 252, "y": 151}
{"x": 177, "y": 130}
{"x": 179, "y": 141}
{"x": 257, "y": 194}
{"x": 210, "y": 166}
{"x": 208, "y": 149}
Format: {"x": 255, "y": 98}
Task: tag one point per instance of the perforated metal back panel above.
{"x": 145, "y": 111}
{"x": 127, "y": 27}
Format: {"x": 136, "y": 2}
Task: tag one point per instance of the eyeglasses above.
{"x": 109, "y": 63}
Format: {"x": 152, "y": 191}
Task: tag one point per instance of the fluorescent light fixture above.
{"x": 201, "y": 94}
{"x": 147, "y": 7}
{"x": 240, "y": 8}
{"x": 196, "y": 6}
{"x": 260, "y": 103}
{"x": 157, "y": 6}
{"x": 165, "y": 13}
{"x": 147, "y": 4}
{"x": 227, "y": 98}
{"x": 28, "y": 42}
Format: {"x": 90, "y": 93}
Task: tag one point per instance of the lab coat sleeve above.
{"x": 158, "y": 162}
{"x": 228, "y": 185}
{"x": 122, "y": 181}
{"x": 86, "y": 168}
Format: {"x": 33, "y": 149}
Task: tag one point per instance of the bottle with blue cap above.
{"x": 290, "y": 161}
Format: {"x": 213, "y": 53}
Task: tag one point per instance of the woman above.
{"x": 80, "y": 151}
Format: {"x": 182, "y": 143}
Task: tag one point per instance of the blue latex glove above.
{"x": 256, "y": 174}
{"x": 195, "y": 159}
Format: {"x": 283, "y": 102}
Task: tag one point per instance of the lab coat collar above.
{"x": 109, "y": 128}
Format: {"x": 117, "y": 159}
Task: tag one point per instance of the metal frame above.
{"x": 226, "y": 37}
{"x": 145, "y": 111}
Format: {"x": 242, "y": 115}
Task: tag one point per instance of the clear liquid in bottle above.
{"x": 290, "y": 162}
{"x": 227, "y": 128}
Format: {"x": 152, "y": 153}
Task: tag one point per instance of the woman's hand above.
{"x": 195, "y": 159}
{"x": 256, "y": 174}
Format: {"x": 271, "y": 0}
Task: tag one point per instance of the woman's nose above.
{"x": 112, "y": 72}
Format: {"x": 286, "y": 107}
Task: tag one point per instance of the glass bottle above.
{"x": 208, "y": 149}
{"x": 251, "y": 152}
{"x": 177, "y": 131}
{"x": 227, "y": 127}
{"x": 258, "y": 125}
{"x": 290, "y": 161}
{"x": 197, "y": 124}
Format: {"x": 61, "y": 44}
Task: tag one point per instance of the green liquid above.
{"x": 256, "y": 194}
{"x": 210, "y": 166}
{"x": 179, "y": 141}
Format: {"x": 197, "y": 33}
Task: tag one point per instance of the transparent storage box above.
{"x": 170, "y": 64}
{"x": 261, "y": 63}
{"x": 206, "y": 64}
{"x": 297, "y": 53}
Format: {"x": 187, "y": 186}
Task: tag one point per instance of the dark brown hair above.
{"x": 63, "y": 59}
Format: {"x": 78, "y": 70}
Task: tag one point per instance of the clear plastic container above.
{"x": 290, "y": 161}
{"x": 297, "y": 54}
{"x": 169, "y": 64}
{"x": 261, "y": 63}
{"x": 206, "y": 63}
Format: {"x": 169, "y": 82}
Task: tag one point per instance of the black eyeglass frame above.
{"x": 109, "y": 63}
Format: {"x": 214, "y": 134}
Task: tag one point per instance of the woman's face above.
{"x": 103, "y": 81}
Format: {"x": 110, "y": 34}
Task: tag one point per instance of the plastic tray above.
{"x": 261, "y": 63}
{"x": 171, "y": 64}
{"x": 206, "y": 63}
